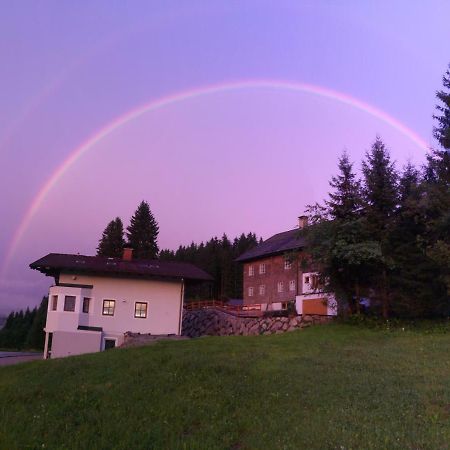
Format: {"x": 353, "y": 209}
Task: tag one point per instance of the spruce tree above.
{"x": 442, "y": 130}
{"x": 112, "y": 242}
{"x": 381, "y": 200}
{"x": 345, "y": 200}
{"x": 380, "y": 186}
{"x": 143, "y": 233}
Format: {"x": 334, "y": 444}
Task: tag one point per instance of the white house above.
{"x": 95, "y": 300}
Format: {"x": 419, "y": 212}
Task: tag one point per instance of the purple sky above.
{"x": 236, "y": 161}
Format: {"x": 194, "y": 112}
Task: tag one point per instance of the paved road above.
{"x": 9, "y": 358}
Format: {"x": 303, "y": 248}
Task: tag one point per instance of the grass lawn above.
{"x": 326, "y": 387}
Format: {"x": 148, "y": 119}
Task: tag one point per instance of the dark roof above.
{"x": 278, "y": 243}
{"x": 54, "y": 263}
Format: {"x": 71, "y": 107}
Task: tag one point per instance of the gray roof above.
{"x": 278, "y": 243}
{"x": 55, "y": 263}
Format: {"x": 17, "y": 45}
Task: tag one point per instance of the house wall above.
{"x": 164, "y": 309}
{"x": 66, "y": 343}
{"x": 275, "y": 273}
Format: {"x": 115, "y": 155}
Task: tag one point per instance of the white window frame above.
{"x": 309, "y": 282}
{"x": 262, "y": 289}
{"x": 280, "y": 287}
{"x": 262, "y": 268}
{"x": 292, "y": 286}
{"x": 250, "y": 291}
{"x": 251, "y": 271}
{"x": 287, "y": 264}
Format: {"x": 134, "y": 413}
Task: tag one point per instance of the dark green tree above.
{"x": 112, "y": 241}
{"x": 345, "y": 200}
{"x": 36, "y": 337}
{"x": 381, "y": 200}
{"x": 339, "y": 242}
{"x": 143, "y": 233}
{"x": 218, "y": 258}
{"x": 442, "y": 130}
{"x": 380, "y": 187}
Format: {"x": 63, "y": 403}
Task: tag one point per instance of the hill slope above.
{"x": 332, "y": 386}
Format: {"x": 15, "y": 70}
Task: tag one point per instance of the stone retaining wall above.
{"x": 212, "y": 322}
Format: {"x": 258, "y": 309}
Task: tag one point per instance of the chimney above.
{"x": 302, "y": 222}
{"x": 127, "y": 254}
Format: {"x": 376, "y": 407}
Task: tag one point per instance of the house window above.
{"x": 140, "y": 310}
{"x": 54, "y": 302}
{"x": 262, "y": 269}
{"x": 251, "y": 271}
{"x": 69, "y": 303}
{"x": 280, "y": 286}
{"x": 108, "y": 307}
{"x": 109, "y": 344}
{"x": 284, "y": 305}
{"x": 86, "y": 303}
{"x": 315, "y": 282}
{"x": 262, "y": 289}
{"x": 292, "y": 285}
{"x": 287, "y": 264}
{"x": 306, "y": 280}
{"x": 250, "y": 292}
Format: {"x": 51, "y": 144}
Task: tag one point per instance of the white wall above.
{"x": 66, "y": 343}
{"x": 163, "y": 310}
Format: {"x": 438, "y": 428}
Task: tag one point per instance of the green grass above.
{"x": 326, "y": 387}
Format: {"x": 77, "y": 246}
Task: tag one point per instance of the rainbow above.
{"x": 178, "y": 97}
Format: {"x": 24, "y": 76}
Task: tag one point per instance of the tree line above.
{"x": 386, "y": 236}
{"x": 25, "y": 329}
{"x": 218, "y": 258}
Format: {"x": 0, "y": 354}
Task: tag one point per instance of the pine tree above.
{"x": 345, "y": 201}
{"x": 112, "y": 242}
{"x": 381, "y": 200}
{"x": 442, "y": 130}
{"x": 380, "y": 186}
{"x": 143, "y": 233}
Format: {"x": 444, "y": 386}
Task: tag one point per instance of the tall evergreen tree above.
{"x": 442, "y": 130}
{"x": 381, "y": 200}
{"x": 345, "y": 200}
{"x": 112, "y": 241}
{"x": 380, "y": 186}
{"x": 339, "y": 241}
{"x": 143, "y": 233}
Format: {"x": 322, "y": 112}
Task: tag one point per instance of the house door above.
{"x": 110, "y": 343}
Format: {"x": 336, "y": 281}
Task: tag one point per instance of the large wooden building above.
{"x": 276, "y": 272}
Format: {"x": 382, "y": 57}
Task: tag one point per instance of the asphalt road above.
{"x": 9, "y": 358}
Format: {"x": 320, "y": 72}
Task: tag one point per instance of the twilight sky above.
{"x": 225, "y": 116}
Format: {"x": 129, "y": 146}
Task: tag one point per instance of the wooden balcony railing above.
{"x": 217, "y": 304}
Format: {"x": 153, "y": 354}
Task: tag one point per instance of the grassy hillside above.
{"x": 326, "y": 387}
